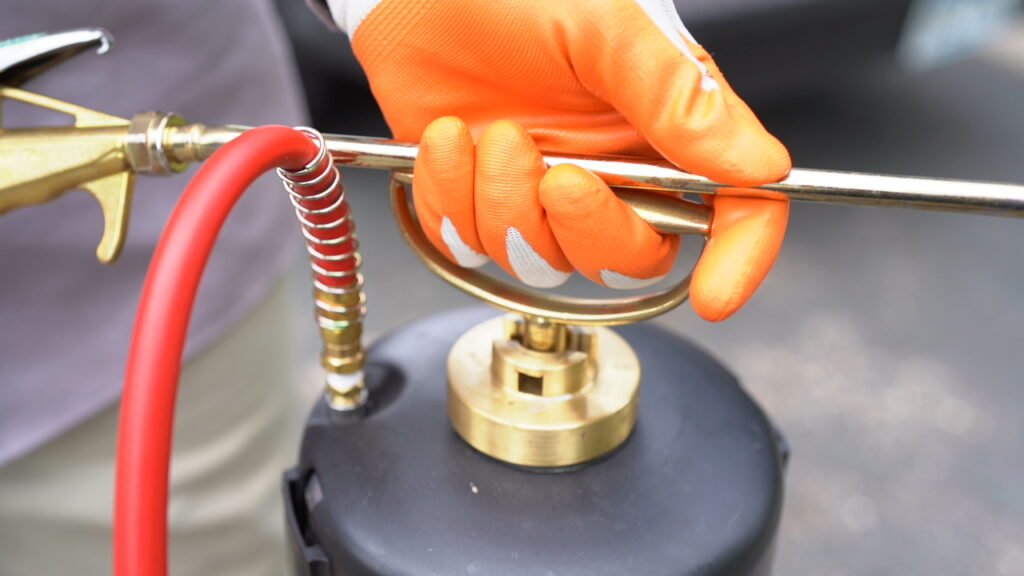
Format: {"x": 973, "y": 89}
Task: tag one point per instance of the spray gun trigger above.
{"x": 114, "y": 193}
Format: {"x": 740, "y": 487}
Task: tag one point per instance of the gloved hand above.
{"x": 597, "y": 77}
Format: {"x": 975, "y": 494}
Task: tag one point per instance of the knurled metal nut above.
{"x": 144, "y": 144}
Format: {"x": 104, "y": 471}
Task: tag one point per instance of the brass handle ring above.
{"x": 532, "y": 302}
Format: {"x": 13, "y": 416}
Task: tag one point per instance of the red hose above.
{"x": 151, "y": 380}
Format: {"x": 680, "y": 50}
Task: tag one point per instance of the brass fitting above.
{"x": 340, "y": 318}
{"x": 148, "y": 140}
{"x": 537, "y": 393}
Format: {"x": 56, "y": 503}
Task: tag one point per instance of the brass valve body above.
{"x": 535, "y": 393}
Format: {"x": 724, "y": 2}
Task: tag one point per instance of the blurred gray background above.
{"x": 887, "y": 345}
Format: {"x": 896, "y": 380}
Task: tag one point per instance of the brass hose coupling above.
{"x": 340, "y": 319}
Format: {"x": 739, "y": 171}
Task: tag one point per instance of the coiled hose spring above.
{"x": 318, "y": 195}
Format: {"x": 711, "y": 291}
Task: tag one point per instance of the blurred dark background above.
{"x": 888, "y": 345}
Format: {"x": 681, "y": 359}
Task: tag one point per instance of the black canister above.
{"x": 393, "y": 491}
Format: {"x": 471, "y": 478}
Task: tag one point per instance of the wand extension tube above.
{"x": 197, "y": 142}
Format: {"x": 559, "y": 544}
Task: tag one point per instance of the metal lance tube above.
{"x": 103, "y": 154}
{"x": 197, "y": 142}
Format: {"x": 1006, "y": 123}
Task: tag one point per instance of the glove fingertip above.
{"x": 565, "y": 186}
{"x": 446, "y": 146}
{"x": 735, "y": 150}
{"x": 738, "y": 257}
{"x": 760, "y": 158}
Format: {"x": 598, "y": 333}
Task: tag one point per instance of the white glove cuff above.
{"x": 349, "y": 14}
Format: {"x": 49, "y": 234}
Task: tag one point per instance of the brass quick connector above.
{"x": 340, "y": 318}
{"x": 187, "y": 143}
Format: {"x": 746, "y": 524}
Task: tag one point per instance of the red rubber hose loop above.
{"x": 151, "y": 380}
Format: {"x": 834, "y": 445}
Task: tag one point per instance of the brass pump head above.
{"x": 537, "y": 393}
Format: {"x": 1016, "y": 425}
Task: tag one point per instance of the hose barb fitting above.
{"x": 318, "y": 196}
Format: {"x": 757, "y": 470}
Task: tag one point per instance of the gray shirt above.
{"x": 65, "y": 319}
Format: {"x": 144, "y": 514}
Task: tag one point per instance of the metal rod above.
{"x": 801, "y": 184}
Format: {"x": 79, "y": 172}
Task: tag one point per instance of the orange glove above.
{"x": 599, "y": 77}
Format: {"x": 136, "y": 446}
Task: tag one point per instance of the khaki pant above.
{"x": 236, "y": 429}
